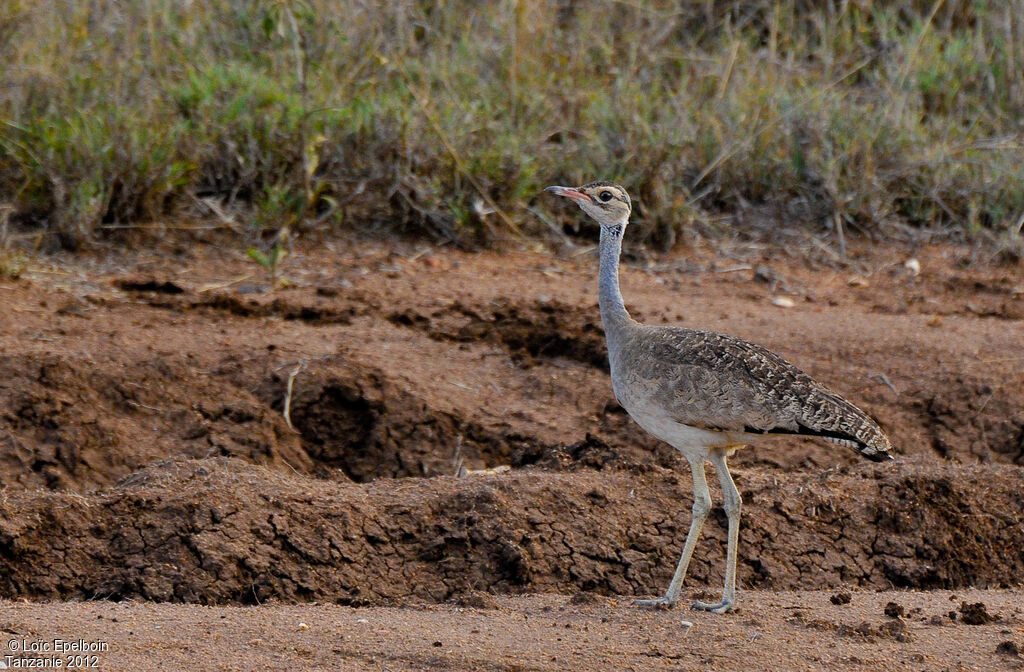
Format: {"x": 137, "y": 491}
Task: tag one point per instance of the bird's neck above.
{"x": 613, "y": 312}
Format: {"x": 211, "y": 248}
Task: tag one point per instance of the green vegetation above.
{"x": 449, "y": 116}
{"x": 269, "y": 261}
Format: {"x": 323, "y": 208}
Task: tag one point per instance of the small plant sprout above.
{"x": 270, "y": 261}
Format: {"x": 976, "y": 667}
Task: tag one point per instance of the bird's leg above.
{"x": 732, "y": 505}
{"x": 701, "y": 506}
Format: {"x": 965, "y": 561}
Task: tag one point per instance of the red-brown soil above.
{"x": 147, "y": 459}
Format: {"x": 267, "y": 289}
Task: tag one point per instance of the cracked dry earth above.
{"x": 155, "y": 498}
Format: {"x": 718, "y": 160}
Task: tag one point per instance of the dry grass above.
{"x": 448, "y": 117}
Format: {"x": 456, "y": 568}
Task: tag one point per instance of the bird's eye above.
{"x": 605, "y": 196}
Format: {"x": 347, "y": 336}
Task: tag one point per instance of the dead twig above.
{"x": 884, "y": 379}
{"x": 457, "y": 459}
{"x": 139, "y": 405}
{"x": 288, "y": 396}
{"x": 221, "y": 285}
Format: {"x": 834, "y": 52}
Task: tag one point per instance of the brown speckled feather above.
{"x": 721, "y": 383}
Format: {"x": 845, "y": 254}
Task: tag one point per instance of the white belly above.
{"x": 685, "y": 438}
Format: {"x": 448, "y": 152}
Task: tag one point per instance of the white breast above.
{"x": 686, "y": 439}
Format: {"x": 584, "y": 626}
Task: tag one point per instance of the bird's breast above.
{"x": 641, "y": 402}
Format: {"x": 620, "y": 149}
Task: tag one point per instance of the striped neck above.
{"x": 613, "y": 310}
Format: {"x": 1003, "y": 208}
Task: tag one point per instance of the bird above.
{"x": 707, "y": 394}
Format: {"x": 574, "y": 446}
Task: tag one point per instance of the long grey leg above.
{"x": 701, "y": 506}
{"x": 732, "y": 505}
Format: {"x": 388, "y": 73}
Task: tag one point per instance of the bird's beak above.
{"x": 569, "y": 192}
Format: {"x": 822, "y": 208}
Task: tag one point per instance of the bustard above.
{"x": 707, "y": 394}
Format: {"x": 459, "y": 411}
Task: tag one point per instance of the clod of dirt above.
{"x": 975, "y": 614}
{"x": 895, "y": 630}
{"x": 894, "y": 610}
{"x": 476, "y": 599}
{"x": 1008, "y": 648}
{"x": 588, "y": 597}
{"x": 840, "y": 598}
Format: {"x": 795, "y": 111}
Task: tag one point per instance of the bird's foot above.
{"x": 714, "y": 607}
{"x": 657, "y": 603}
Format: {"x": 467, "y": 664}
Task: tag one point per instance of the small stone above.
{"x": 895, "y": 630}
{"x": 303, "y": 626}
{"x": 585, "y": 597}
{"x": 893, "y": 610}
{"x": 783, "y": 302}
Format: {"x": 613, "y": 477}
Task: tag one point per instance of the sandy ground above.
{"x": 148, "y": 467}
{"x": 782, "y": 630}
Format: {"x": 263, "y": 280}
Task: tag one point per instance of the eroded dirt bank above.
{"x": 146, "y": 453}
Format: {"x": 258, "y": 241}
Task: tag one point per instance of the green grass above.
{"x": 422, "y": 115}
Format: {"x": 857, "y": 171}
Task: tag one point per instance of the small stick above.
{"x": 288, "y": 398}
{"x": 222, "y": 285}
{"x": 882, "y": 378}
{"x": 840, "y": 235}
{"x": 457, "y": 458}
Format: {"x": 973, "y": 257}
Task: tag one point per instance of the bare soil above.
{"x": 149, "y": 468}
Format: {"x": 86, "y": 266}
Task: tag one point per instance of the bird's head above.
{"x": 606, "y": 202}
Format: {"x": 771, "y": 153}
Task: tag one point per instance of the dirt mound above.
{"x": 75, "y": 423}
{"x": 220, "y": 530}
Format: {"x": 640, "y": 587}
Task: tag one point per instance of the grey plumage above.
{"x": 717, "y": 382}
{"x": 707, "y": 394}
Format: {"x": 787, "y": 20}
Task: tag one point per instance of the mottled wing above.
{"x": 718, "y": 382}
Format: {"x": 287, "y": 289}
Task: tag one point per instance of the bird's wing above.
{"x": 713, "y": 381}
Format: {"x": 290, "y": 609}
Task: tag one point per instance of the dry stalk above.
{"x": 288, "y": 396}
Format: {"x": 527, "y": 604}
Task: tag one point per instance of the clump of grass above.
{"x": 449, "y": 117}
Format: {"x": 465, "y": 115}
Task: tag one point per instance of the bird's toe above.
{"x": 714, "y": 607}
{"x": 657, "y": 603}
